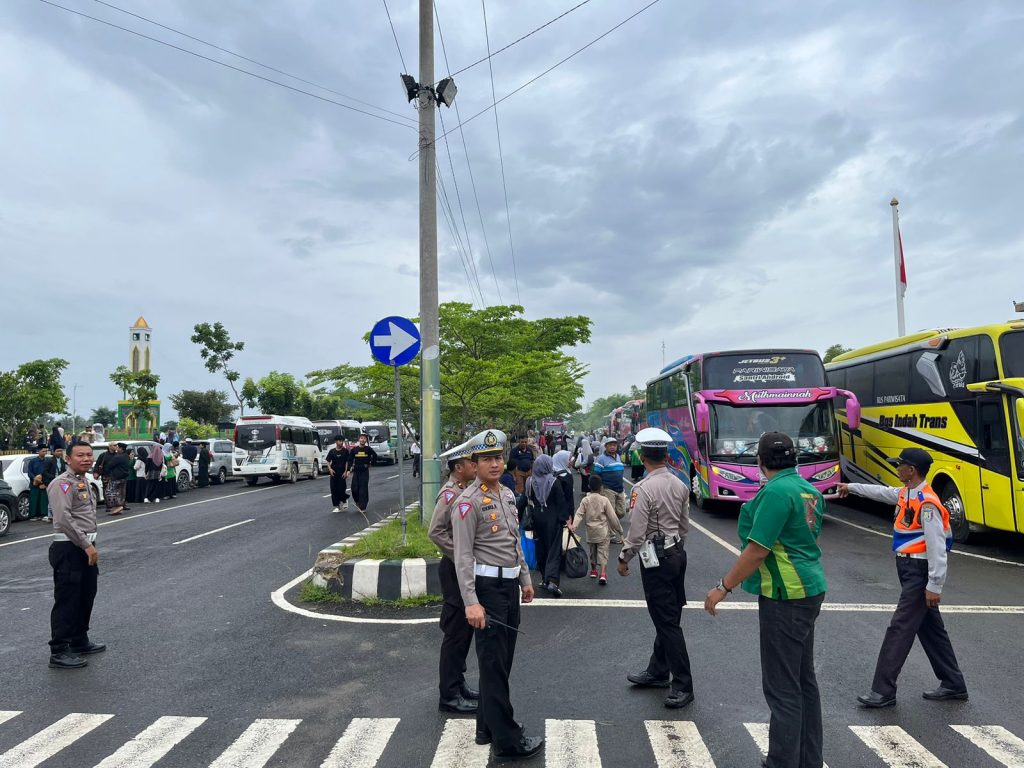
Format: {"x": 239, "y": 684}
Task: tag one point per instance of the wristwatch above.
{"x": 721, "y": 585}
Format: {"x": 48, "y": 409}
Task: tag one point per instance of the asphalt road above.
{"x": 204, "y": 669}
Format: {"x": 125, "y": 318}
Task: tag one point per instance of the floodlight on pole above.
{"x": 410, "y": 86}
{"x": 446, "y": 90}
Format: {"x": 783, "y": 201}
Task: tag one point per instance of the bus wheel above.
{"x": 957, "y": 513}
{"x": 699, "y": 499}
{"x": 316, "y": 469}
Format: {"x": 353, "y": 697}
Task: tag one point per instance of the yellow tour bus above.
{"x": 956, "y": 393}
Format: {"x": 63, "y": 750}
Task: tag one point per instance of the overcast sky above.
{"x": 711, "y": 175}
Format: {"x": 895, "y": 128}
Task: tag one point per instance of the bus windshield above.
{"x": 735, "y": 431}
{"x": 377, "y": 433}
{"x": 256, "y": 437}
{"x": 763, "y": 371}
{"x": 1011, "y": 345}
{"x": 328, "y": 435}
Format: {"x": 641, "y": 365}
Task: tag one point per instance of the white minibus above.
{"x": 278, "y": 447}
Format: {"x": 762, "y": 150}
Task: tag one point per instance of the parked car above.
{"x": 222, "y": 465}
{"x": 15, "y": 474}
{"x": 8, "y": 506}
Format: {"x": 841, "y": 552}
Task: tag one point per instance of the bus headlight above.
{"x": 725, "y": 474}
{"x": 826, "y": 474}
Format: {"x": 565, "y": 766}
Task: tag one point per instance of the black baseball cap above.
{"x": 918, "y": 458}
{"x": 775, "y": 444}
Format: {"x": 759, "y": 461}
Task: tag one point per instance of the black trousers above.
{"x": 153, "y": 488}
{"x": 665, "y": 594}
{"x": 74, "y": 591}
{"x": 495, "y": 649}
{"x": 131, "y": 491}
{"x": 458, "y": 635}
{"x": 339, "y": 489}
{"x": 547, "y": 536}
{"x": 913, "y": 618}
{"x": 788, "y": 680}
{"x": 170, "y": 487}
{"x": 361, "y": 488}
{"x": 415, "y": 464}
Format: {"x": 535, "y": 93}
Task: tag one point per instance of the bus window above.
{"x": 837, "y": 378}
{"x": 679, "y": 394}
{"x": 1018, "y": 421}
{"x": 926, "y": 382}
{"x": 958, "y": 365}
{"x": 860, "y": 379}
{"x": 987, "y": 370}
{"x": 1011, "y": 345}
{"x": 693, "y": 373}
{"x": 993, "y": 442}
{"x": 892, "y": 383}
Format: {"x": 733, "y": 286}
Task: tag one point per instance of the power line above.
{"x": 469, "y": 166}
{"x": 449, "y": 215}
{"x": 395, "y": 34}
{"x": 225, "y": 65}
{"x": 462, "y": 212}
{"x": 252, "y": 61}
{"x": 547, "y": 71}
{"x": 515, "y": 42}
{"x": 501, "y": 159}
{"x": 472, "y": 179}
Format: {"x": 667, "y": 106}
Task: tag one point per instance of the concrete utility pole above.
{"x": 430, "y": 372}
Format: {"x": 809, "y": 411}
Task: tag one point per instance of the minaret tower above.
{"x": 139, "y": 341}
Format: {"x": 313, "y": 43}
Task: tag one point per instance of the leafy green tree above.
{"x": 835, "y": 351}
{"x": 121, "y": 378}
{"x": 29, "y": 392}
{"x": 595, "y": 415}
{"x": 217, "y": 349}
{"x": 190, "y": 428}
{"x": 207, "y": 407}
{"x": 497, "y": 368}
{"x": 103, "y": 415}
{"x": 278, "y": 393}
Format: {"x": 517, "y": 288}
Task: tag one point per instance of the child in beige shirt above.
{"x": 599, "y": 514}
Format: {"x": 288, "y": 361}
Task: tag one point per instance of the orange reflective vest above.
{"x": 907, "y": 531}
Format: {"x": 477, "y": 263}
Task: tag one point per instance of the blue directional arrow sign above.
{"x": 395, "y": 341}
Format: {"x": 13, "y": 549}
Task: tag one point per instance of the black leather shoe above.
{"x": 944, "y": 694}
{"x": 876, "y": 700}
{"x": 470, "y": 694}
{"x": 482, "y": 737}
{"x": 85, "y": 650}
{"x": 527, "y": 747}
{"x": 552, "y": 589}
{"x": 458, "y": 705}
{"x": 65, "y": 660}
{"x": 678, "y": 699}
{"x": 647, "y": 680}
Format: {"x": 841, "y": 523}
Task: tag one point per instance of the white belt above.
{"x": 496, "y": 571}
{"x": 913, "y": 555}
{"x": 61, "y": 537}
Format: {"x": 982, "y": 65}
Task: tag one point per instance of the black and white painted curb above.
{"x": 362, "y": 578}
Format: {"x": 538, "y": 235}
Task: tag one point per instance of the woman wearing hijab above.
{"x": 154, "y": 470}
{"x": 564, "y": 475}
{"x": 584, "y": 460}
{"x": 547, "y": 500}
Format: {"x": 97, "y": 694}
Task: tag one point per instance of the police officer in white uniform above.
{"x": 659, "y": 522}
{"x": 491, "y": 570}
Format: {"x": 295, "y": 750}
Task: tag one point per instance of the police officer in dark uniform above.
{"x": 360, "y": 458}
{"x": 74, "y": 559}
{"x": 659, "y": 522}
{"x": 456, "y": 696}
{"x": 491, "y": 569}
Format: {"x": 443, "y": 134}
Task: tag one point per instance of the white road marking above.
{"x": 677, "y": 744}
{"x": 392, "y": 477}
{"x": 759, "y": 733}
{"x": 279, "y": 599}
{"x": 896, "y": 747}
{"x": 571, "y": 744}
{"x": 998, "y": 743}
{"x": 217, "y": 530}
{"x": 750, "y": 605}
{"x": 955, "y": 551}
{"x": 458, "y": 748}
{"x": 6, "y": 715}
{"x": 153, "y": 743}
{"x": 362, "y": 743}
{"x": 257, "y": 744}
{"x": 137, "y": 515}
{"x": 51, "y": 740}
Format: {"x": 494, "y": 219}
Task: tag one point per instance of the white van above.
{"x": 278, "y": 447}
{"x": 330, "y": 429}
{"x": 381, "y": 440}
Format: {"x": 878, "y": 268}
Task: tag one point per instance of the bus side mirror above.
{"x": 853, "y": 413}
{"x": 703, "y": 418}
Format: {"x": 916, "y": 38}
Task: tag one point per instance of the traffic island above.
{"x": 374, "y": 566}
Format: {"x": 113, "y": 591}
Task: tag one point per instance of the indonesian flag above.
{"x": 903, "y": 265}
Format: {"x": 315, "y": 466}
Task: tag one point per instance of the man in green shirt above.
{"x": 781, "y": 564}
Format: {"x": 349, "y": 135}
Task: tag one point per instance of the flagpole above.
{"x": 897, "y": 248}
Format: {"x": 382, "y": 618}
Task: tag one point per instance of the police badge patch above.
{"x": 448, "y": 496}
{"x": 464, "y": 508}
{"x": 65, "y": 487}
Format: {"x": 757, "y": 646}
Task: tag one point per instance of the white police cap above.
{"x": 458, "y": 452}
{"x": 652, "y": 437}
{"x": 490, "y": 442}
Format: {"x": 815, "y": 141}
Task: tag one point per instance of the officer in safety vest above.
{"x": 455, "y": 696}
{"x": 659, "y": 522}
{"x": 491, "y": 569}
{"x": 921, "y": 537}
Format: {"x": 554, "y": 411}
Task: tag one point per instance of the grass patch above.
{"x": 386, "y": 542}
{"x": 311, "y": 593}
{"x": 421, "y": 601}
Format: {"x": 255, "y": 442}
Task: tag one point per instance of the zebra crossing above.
{"x": 570, "y": 744}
